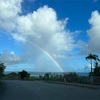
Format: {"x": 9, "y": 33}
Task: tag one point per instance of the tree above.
{"x": 24, "y": 74}
{"x": 92, "y": 57}
{"x": 12, "y": 75}
{"x": 47, "y": 76}
{"x": 96, "y": 71}
{"x": 2, "y": 67}
{"x": 71, "y": 77}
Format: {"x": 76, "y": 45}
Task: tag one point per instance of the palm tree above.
{"x": 92, "y": 57}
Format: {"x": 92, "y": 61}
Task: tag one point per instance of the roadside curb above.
{"x": 74, "y": 84}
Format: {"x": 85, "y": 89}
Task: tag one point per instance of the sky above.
{"x": 49, "y": 35}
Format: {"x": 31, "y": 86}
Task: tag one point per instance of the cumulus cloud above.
{"x": 11, "y": 58}
{"x": 93, "y": 44}
{"x": 41, "y": 29}
{"x": 9, "y": 10}
{"x": 44, "y": 29}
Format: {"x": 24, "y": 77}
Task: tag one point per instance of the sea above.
{"x": 43, "y": 73}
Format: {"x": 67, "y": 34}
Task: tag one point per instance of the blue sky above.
{"x": 49, "y": 35}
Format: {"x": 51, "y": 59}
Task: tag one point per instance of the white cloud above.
{"x": 94, "y": 32}
{"x": 93, "y": 44}
{"x": 11, "y": 58}
{"x": 9, "y": 9}
{"x": 62, "y": 56}
{"x": 8, "y": 12}
{"x": 40, "y": 29}
{"x": 44, "y": 29}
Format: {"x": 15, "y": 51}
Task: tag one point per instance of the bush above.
{"x": 2, "y": 67}
{"x": 24, "y": 75}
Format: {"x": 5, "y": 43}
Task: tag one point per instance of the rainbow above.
{"x": 49, "y": 55}
{"x": 55, "y": 62}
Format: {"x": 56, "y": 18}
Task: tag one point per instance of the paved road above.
{"x": 34, "y": 90}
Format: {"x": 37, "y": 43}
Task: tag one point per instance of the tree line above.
{"x": 66, "y": 77}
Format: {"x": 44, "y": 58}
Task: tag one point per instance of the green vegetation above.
{"x": 52, "y": 77}
{"x": 24, "y": 75}
{"x": 96, "y": 71}
{"x": 71, "y": 77}
{"x": 11, "y": 76}
{"x": 2, "y": 67}
{"x": 66, "y": 77}
{"x": 92, "y": 57}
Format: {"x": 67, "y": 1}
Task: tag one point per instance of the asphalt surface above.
{"x": 37, "y": 90}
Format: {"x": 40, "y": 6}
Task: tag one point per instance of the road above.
{"x": 37, "y": 90}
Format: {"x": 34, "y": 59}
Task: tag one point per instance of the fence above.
{"x": 86, "y": 80}
{"x": 96, "y": 80}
